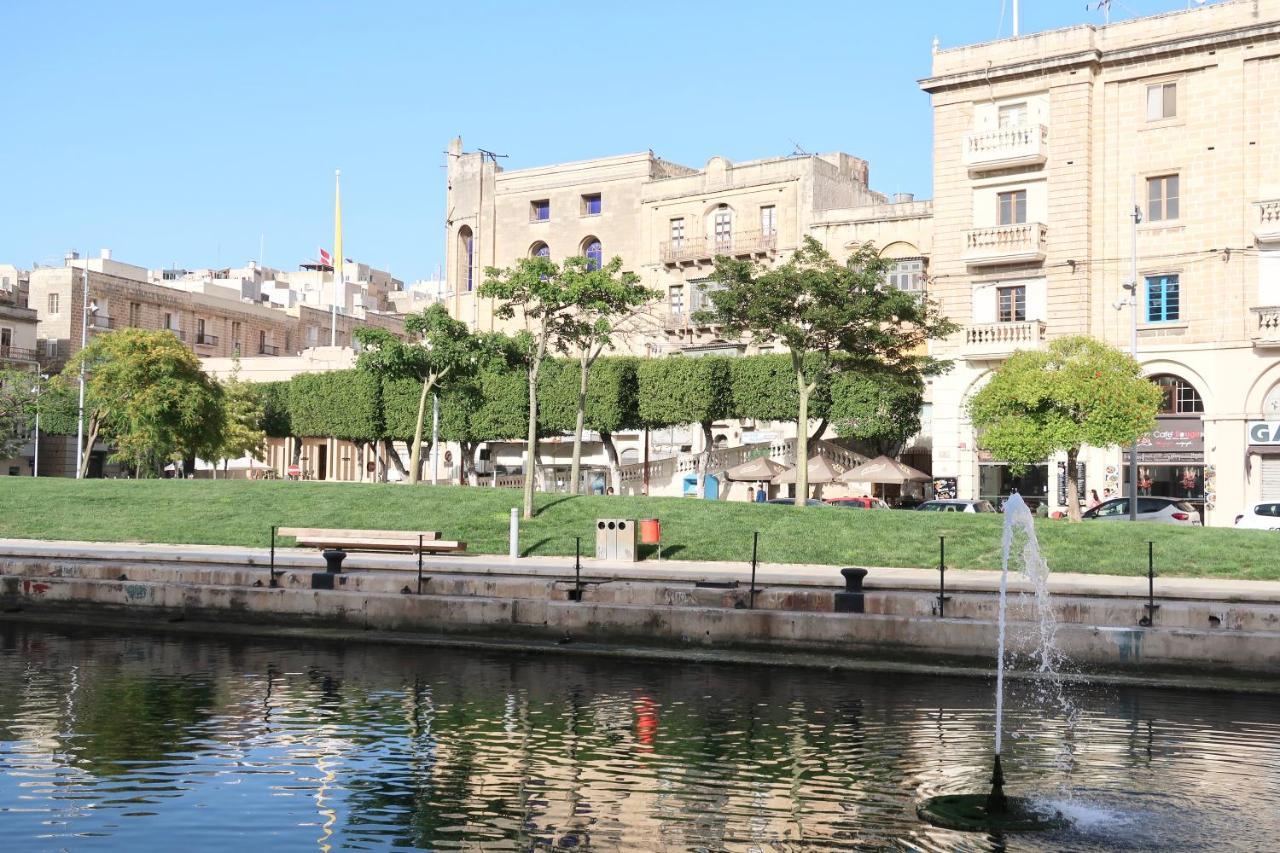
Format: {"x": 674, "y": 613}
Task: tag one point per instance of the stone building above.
{"x": 1043, "y": 146}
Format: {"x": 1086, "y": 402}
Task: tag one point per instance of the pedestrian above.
{"x": 609, "y": 490}
{"x": 1094, "y": 500}
{"x": 761, "y": 497}
{"x": 1107, "y": 494}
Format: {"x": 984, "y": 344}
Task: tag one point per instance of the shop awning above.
{"x": 1265, "y": 449}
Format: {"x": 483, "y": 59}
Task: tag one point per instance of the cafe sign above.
{"x": 1174, "y": 440}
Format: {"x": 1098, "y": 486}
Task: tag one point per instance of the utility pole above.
{"x": 1015, "y": 18}
{"x": 435, "y": 438}
{"x": 1135, "y": 216}
{"x": 84, "y": 341}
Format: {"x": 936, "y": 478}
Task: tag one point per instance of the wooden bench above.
{"x": 336, "y": 542}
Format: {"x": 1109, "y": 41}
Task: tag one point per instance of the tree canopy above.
{"x": 17, "y": 410}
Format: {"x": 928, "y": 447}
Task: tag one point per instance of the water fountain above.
{"x": 993, "y": 811}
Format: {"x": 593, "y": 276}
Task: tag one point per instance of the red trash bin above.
{"x": 650, "y": 531}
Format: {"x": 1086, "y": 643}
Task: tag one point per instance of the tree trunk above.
{"x": 615, "y": 467}
{"x": 467, "y": 463}
{"x": 91, "y": 438}
{"x": 575, "y": 467}
{"x": 1073, "y": 494}
{"x": 393, "y": 457}
{"x": 817, "y": 433}
{"x": 531, "y": 443}
{"x": 415, "y": 451}
{"x": 704, "y": 459}
{"x": 802, "y": 433}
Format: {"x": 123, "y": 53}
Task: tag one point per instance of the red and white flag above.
{"x": 326, "y": 258}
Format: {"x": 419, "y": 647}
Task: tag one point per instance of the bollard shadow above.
{"x": 648, "y": 552}
{"x": 533, "y": 547}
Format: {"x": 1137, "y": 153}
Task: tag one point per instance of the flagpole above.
{"x": 337, "y": 256}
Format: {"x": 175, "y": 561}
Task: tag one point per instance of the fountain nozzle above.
{"x": 996, "y": 802}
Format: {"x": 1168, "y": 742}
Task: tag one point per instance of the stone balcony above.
{"x": 997, "y": 340}
{"x": 1266, "y": 333}
{"x": 1006, "y": 148}
{"x": 1005, "y": 244}
{"x": 692, "y": 250}
{"x": 1266, "y": 224}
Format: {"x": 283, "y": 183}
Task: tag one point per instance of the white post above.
{"x": 35, "y": 463}
{"x": 1015, "y": 18}
{"x": 84, "y": 341}
{"x": 1135, "y": 214}
{"x": 514, "y": 550}
{"x": 435, "y": 438}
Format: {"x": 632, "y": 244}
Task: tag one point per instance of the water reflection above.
{"x": 130, "y": 743}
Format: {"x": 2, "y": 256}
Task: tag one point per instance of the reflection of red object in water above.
{"x": 646, "y": 723}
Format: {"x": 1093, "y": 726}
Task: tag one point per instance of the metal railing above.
{"x": 705, "y": 248}
{"x": 99, "y": 321}
{"x": 267, "y": 349}
{"x": 11, "y": 353}
{"x": 206, "y": 340}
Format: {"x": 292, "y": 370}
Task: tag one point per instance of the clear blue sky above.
{"x": 180, "y": 132}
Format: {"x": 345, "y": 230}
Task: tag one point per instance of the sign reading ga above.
{"x": 1263, "y": 432}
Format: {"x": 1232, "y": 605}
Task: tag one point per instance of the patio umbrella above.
{"x": 883, "y": 469}
{"x": 759, "y": 469}
{"x": 821, "y": 470}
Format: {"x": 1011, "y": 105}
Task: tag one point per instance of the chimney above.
{"x": 903, "y": 198}
{"x": 69, "y": 257}
{"x": 105, "y": 254}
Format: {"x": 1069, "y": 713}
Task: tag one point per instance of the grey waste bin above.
{"x": 615, "y": 538}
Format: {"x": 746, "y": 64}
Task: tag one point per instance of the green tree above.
{"x": 491, "y": 404}
{"x": 145, "y": 392}
{"x": 17, "y": 410}
{"x": 612, "y": 402}
{"x": 244, "y": 434}
{"x": 830, "y": 316}
{"x": 684, "y": 390}
{"x": 440, "y": 350}
{"x": 599, "y": 296}
{"x": 879, "y": 408}
{"x": 544, "y": 296}
{"x": 764, "y": 389}
{"x": 1077, "y": 392}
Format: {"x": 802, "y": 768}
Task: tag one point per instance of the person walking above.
{"x": 1094, "y": 500}
{"x": 760, "y": 495}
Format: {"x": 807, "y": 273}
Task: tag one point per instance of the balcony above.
{"x": 203, "y": 340}
{"x": 1005, "y": 244}
{"x": 1006, "y": 148}
{"x": 22, "y": 354}
{"x": 692, "y": 250}
{"x": 997, "y": 340}
{"x": 101, "y": 323}
{"x": 1266, "y": 227}
{"x": 177, "y": 333}
{"x": 267, "y": 349}
{"x": 1267, "y": 333}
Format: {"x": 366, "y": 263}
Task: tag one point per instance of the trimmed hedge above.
{"x": 343, "y": 404}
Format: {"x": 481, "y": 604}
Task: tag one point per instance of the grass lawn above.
{"x": 242, "y": 512}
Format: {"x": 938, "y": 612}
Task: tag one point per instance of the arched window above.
{"x": 465, "y": 275}
{"x": 593, "y": 252}
{"x": 722, "y": 228}
{"x": 540, "y": 250}
{"x": 1180, "y": 396}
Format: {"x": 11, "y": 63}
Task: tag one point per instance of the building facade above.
{"x": 1043, "y": 147}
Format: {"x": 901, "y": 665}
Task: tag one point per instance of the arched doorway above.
{"x": 465, "y": 273}
{"x": 1171, "y": 457}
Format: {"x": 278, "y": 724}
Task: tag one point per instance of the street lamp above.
{"x": 35, "y": 461}
{"x": 85, "y": 311}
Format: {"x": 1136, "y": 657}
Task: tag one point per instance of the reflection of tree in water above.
{"x": 126, "y": 718}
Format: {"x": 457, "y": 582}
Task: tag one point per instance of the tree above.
{"x": 491, "y": 404}
{"x": 612, "y": 403}
{"x": 830, "y": 316}
{"x": 538, "y": 289}
{"x": 146, "y": 393}
{"x": 440, "y": 350}
{"x": 683, "y": 390}
{"x": 17, "y": 410}
{"x": 244, "y": 434}
{"x": 1077, "y": 392}
{"x": 764, "y": 389}
{"x": 599, "y": 296}
{"x": 879, "y": 408}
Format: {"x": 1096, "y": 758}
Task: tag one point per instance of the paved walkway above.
{"x": 775, "y": 574}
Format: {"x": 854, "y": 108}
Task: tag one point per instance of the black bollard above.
{"x": 852, "y": 600}
{"x": 942, "y": 577}
{"x": 997, "y": 803}
{"x": 333, "y": 558}
{"x": 419, "y": 564}
{"x": 576, "y": 593}
{"x": 1150, "y": 619}
{"x": 273, "y": 557}
{"x": 755, "y": 548}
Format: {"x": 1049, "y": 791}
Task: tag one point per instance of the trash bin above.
{"x": 615, "y": 539}
{"x": 650, "y": 531}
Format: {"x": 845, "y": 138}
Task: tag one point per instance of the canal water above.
{"x": 142, "y": 743}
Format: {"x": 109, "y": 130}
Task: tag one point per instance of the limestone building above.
{"x": 1043, "y": 146}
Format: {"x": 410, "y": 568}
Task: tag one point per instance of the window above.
{"x": 1011, "y": 306}
{"x": 1163, "y": 302}
{"x": 235, "y": 332}
{"x": 540, "y": 250}
{"x": 675, "y": 298}
{"x": 1162, "y": 101}
{"x": 594, "y": 253}
{"x": 768, "y": 220}
{"x": 6, "y": 340}
{"x": 51, "y": 348}
{"x": 723, "y": 232}
{"x": 1013, "y": 207}
{"x": 677, "y": 232}
{"x": 907, "y": 275}
{"x": 170, "y": 322}
{"x": 1013, "y": 115}
{"x": 4, "y": 283}
{"x": 465, "y": 272}
{"x": 200, "y": 331}
{"x": 1162, "y": 198}
{"x": 1180, "y": 396}
{"x": 591, "y": 204}
{"x": 53, "y": 303}
{"x": 540, "y": 211}
{"x": 135, "y": 314}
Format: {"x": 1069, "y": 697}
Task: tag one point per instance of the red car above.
{"x": 859, "y": 503}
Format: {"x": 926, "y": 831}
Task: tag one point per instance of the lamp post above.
{"x": 85, "y": 310}
{"x": 35, "y": 461}
{"x": 1135, "y": 217}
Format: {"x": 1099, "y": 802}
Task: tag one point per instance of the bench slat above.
{"x": 352, "y": 543}
{"x": 309, "y": 533}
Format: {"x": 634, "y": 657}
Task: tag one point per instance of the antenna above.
{"x": 1104, "y": 5}
{"x": 799, "y": 150}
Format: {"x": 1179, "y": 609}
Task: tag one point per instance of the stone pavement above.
{"x": 777, "y": 574}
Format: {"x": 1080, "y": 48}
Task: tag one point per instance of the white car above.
{"x": 1260, "y": 517}
{"x": 1163, "y": 510}
{"x": 941, "y": 505}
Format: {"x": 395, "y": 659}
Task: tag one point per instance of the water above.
{"x": 151, "y": 743}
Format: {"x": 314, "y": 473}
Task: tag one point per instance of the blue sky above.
{"x": 181, "y": 132}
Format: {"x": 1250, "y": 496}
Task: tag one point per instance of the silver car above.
{"x": 1162, "y": 510}
{"x": 956, "y": 506}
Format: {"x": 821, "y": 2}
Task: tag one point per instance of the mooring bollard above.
{"x": 755, "y": 549}
{"x": 852, "y": 599}
{"x": 514, "y": 547}
{"x": 1150, "y": 619}
{"x": 942, "y": 577}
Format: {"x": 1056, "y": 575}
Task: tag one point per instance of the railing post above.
{"x": 755, "y": 546}
{"x": 419, "y": 564}
{"x": 942, "y": 577}
{"x": 1150, "y": 619}
{"x": 272, "y": 580}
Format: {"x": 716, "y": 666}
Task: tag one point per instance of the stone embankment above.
{"x": 1201, "y": 631}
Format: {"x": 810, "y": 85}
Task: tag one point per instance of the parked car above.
{"x": 1162, "y": 510}
{"x": 792, "y": 502}
{"x": 1260, "y": 517}
{"x": 858, "y": 503}
{"x": 956, "y": 506}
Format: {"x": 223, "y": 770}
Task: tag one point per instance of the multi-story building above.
{"x": 1043, "y": 147}
{"x": 18, "y": 353}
